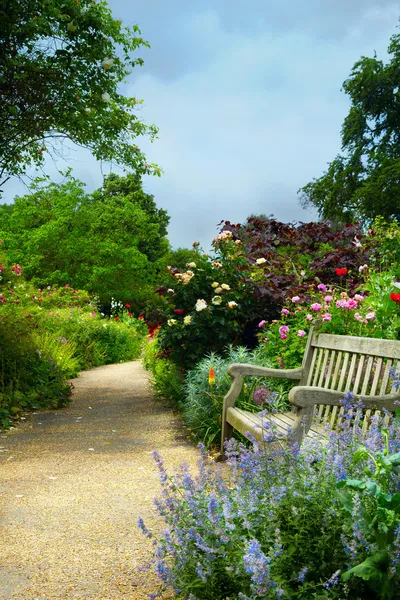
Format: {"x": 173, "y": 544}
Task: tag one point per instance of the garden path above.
{"x": 73, "y": 483}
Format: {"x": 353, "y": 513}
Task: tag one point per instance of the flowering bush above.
{"x": 219, "y": 299}
{"x": 370, "y": 313}
{"x": 47, "y": 336}
{"x": 279, "y": 526}
{"x": 206, "y": 385}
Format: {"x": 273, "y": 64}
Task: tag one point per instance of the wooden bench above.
{"x": 332, "y": 365}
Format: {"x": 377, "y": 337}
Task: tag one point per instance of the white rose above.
{"x": 225, "y": 286}
{"x": 215, "y": 284}
{"x": 187, "y": 320}
{"x": 200, "y": 305}
{"x": 232, "y": 304}
{"x": 216, "y": 300}
{"x": 171, "y": 322}
{"x": 218, "y": 290}
{"x": 106, "y": 97}
{"x": 191, "y": 264}
{"x": 261, "y": 261}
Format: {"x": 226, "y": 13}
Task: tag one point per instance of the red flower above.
{"x": 141, "y": 317}
{"x": 211, "y": 377}
{"x": 116, "y": 319}
{"x": 179, "y": 311}
{"x": 341, "y": 272}
{"x": 129, "y": 314}
{"x": 395, "y": 297}
{"x": 127, "y": 305}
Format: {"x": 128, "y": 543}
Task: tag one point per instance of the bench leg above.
{"x": 227, "y": 432}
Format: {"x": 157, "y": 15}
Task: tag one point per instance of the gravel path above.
{"x": 73, "y": 483}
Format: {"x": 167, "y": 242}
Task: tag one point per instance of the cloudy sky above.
{"x": 247, "y": 96}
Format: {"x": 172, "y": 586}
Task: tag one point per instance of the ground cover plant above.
{"x": 321, "y": 522}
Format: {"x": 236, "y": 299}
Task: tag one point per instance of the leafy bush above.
{"x": 219, "y": 299}
{"x": 30, "y": 377}
{"x": 203, "y": 396}
{"x": 167, "y": 378}
{"x": 279, "y": 526}
{"x": 47, "y": 336}
{"x": 374, "y": 312}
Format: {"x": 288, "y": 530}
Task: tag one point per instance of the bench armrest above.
{"x": 306, "y": 396}
{"x": 238, "y": 369}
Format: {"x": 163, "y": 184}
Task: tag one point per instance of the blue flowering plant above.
{"x": 282, "y": 521}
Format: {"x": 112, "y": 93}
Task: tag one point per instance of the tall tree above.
{"x": 106, "y": 244}
{"x": 61, "y": 63}
{"x": 364, "y": 181}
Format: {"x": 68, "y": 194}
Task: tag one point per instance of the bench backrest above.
{"x": 345, "y": 363}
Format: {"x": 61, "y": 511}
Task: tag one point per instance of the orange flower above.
{"x": 211, "y": 376}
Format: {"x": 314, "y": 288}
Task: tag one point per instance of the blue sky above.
{"x": 247, "y": 96}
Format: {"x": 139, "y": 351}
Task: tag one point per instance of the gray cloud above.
{"x": 247, "y": 97}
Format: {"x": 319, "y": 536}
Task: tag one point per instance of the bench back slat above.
{"x": 358, "y": 345}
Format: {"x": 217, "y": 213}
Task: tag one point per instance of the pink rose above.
{"x": 283, "y": 336}
{"x": 283, "y": 329}
{"x": 296, "y": 299}
{"x": 284, "y": 311}
{"x": 359, "y": 298}
{"x": 301, "y": 332}
{"x": 327, "y": 317}
{"x": 351, "y": 304}
{"x": 262, "y": 323}
{"x": 328, "y": 299}
{"x": 358, "y": 317}
{"x": 341, "y": 303}
{"x": 322, "y": 287}
{"x": 370, "y": 316}
{"x": 309, "y": 317}
{"x": 316, "y": 306}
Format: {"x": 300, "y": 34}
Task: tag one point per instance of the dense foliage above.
{"x": 47, "y": 336}
{"x": 322, "y": 522}
{"x": 363, "y": 181}
{"x": 61, "y": 66}
{"x": 254, "y": 269}
{"x": 106, "y": 243}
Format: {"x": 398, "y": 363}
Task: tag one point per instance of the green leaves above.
{"x": 105, "y": 243}
{"x": 362, "y": 182}
{"x": 52, "y": 52}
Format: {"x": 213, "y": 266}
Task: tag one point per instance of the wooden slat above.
{"x": 343, "y": 372}
{"x": 317, "y": 368}
{"x": 358, "y": 345}
{"x": 358, "y": 374}
{"x": 336, "y": 372}
{"x": 350, "y": 373}
{"x": 367, "y": 375}
{"x": 385, "y": 378}
{"x": 310, "y": 373}
{"x": 396, "y": 368}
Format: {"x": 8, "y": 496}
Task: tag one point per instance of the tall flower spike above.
{"x": 211, "y": 377}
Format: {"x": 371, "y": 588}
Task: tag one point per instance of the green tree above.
{"x": 61, "y": 64}
{"x": 363, "y": 181}
{"x": 105, "y": 244}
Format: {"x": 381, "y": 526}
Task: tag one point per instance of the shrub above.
{"x": 203, "y": 398}
{"x": 167, "y": 378}
{"x": 47, "y": 336}
{"x": 279, "y": 526}
{"x": 30, "y": 377}
{"x": 219, "y": 299}
{"x": 371, "y": 313}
